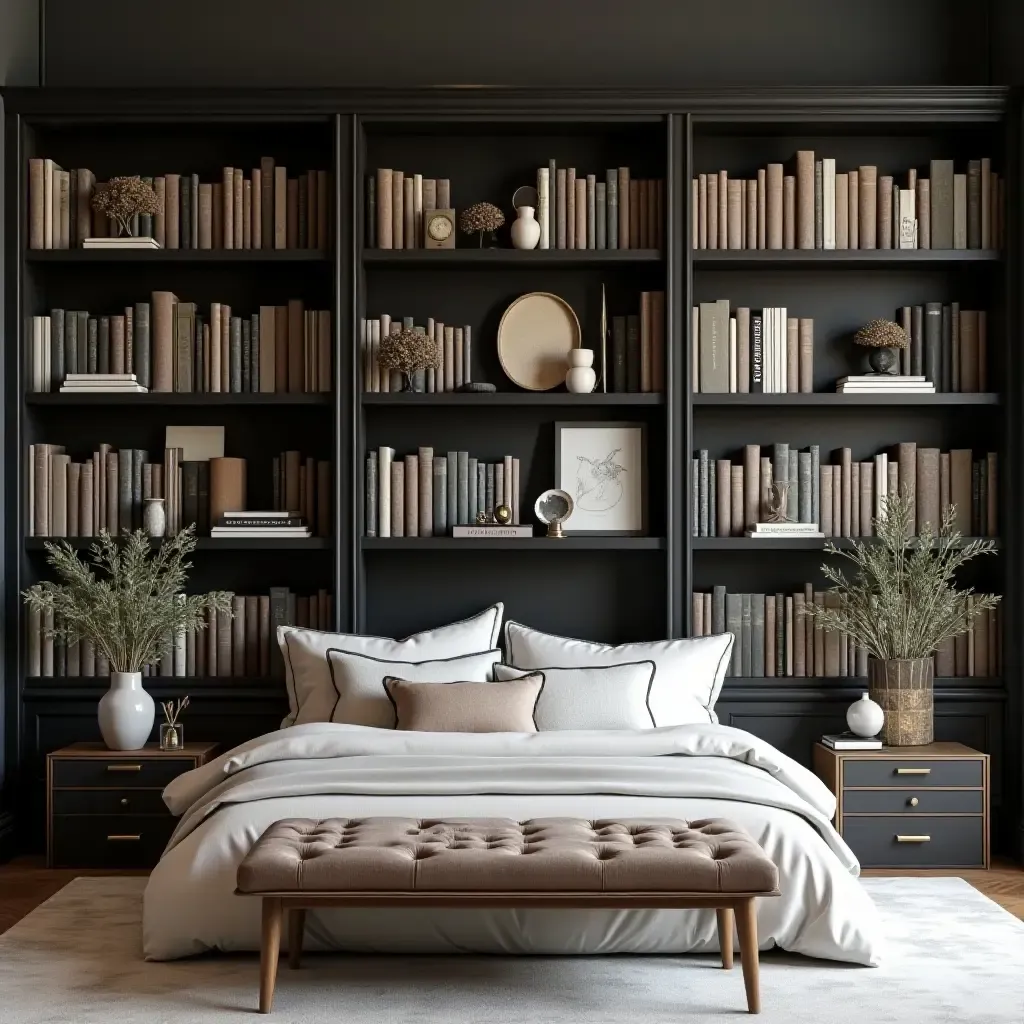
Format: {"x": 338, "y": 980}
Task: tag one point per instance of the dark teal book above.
{"x": 103, "y": 351}
{"x": 141, "y": 346}
{"x": 632, "y": 353}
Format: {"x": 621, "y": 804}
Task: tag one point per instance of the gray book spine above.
{"x": 481, "y": 489}
{"x": 718, "y": 610}
{"x": 780, "y": 635}
{"x": 819, "y": 221}
{"x": 712, "y": 498}
{"x": 793, "y": 505}
{"x": 139, "y": 459}
{"x": 71, "y": 343}
{"x": 103, "y": 346}
{"x": 600, "y": 222}
{"x": 816, "y": 484}
{"x": 246, "y": 355}
{"x": 933, "y": 343}
{"x": 757, "y": 635}
{"x": 806, "y": 495}
{"x": 734, "y": 625}
{"x": 141, "y": 347}
{"x": 467, "y": 354}
{"x": 702, "y": 490}
{"x": 235, "y": 354}
{"x": 552, "y": 211}
{"x": 500, "y": 498}
{"x": 917, "y": 341}
{"x": 426, "y": 491}
{"x": 780, "y": 466}
{"x": 452, "y": 483}
{"x": 946, "y": 373}
{"x": 745, "y": 634}
{"x": 462, "y": 489}
{"x": 370, "y": 525}
{"x": 612, "y": 206}
{"x": 440, "y": 495}
{"x": 57, "y": 369}
{"x": 591, "y": 182}
{"x": 254, "y": 354}
{"x": 87, "y": 344}
{"x": 695, "y": 494}
{"x": 489, "y": 506}
{"x": 472, "y": 476}
{"x": 124, "y": 488}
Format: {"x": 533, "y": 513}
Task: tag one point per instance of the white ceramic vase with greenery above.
{"x": 900, "y": 605}
{"x": 129, "y": 604}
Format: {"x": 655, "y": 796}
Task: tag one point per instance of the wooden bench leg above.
{"x": 746, "y": 925}
{"x": 270, "y": 949}
{"x": 296, "y": 928}
{"x": 725, "y": 936}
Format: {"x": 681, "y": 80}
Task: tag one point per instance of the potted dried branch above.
{"x": 900, "y": 605}
{"x": 406, "y": 352}
{"x": 123, "y": 200}
{"x": 129, "y": 604}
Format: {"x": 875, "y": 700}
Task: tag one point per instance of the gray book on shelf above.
{"x": 472, "y": 478}
{"x": 462, "y": 490}
{"x": 141, "y": 345}
{"x": 552, "y": 211}
{"x": 612, "y": 206}
{"x": 600, "y": 221}
{"x": 440, "y": 495}
{"x": 370, "y": 525}
{"x": 702, "y": 490}
{"x": 254, "y": 353}
{"x": 246, "y": 353}
{"x": 780, "y": 634}
{"x": 467, "y": 354}
{"x": 57, "y": 369}
{"x": 500, "y": 498}
{"x": 757, "y": 635}
{"x": 793, "y": 505}
{"x": 718, "y": 609}
{"x": 734, "y": 625}
{"x": 933, "y": 343}
{"x": 712, "y": 499}
{"x": 71, "y": 342}
{"x": 591, "y": 190}
{"x": 124, "y": 488}
{"x": 816, "y": 484}
{"x": 103, "y": 345}
{"x": 746, "y": 625}
{"x": 489, "y": 502}
{"x": 695, "y": 496}
{"x": 452, "y": 486}
{"x": 780, "y": 463}
{"x": 235, "y": 354}
{"x": 806, "y": 495}
{"x": 139, "y": 459}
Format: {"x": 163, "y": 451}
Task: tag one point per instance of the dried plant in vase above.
{"x": 883, "y": 339}
{"x": 481, "y": 218}
{"x": 123, "y": 199}
{"x": 172, "y": 735}
{"x": 900, "y": 606}
{"x": 407, "y": 351}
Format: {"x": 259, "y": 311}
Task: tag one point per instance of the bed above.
{"x": 324, "y": 769}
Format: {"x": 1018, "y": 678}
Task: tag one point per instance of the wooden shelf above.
{"x": 208, "y": 543}
{"x": 177, "y": 256}
{"x": 470, "y": 257}
{"x": 512, "y": 544}
{"x": 551, "y": 399}
{"x": 748, "y": 544}
{"x": 160, "y": 398}
{"x": 745, "y": 259}
{"x": 830, "y": 400}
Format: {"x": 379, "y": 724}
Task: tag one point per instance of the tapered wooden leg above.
{"x": 270, "y": 950}
{"x": 725, "y": 936}
{"x": 296, "y": 928}
{"x": 746, "y": 925}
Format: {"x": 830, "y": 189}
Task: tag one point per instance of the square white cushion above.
{"x": 609, "y": 697}
{"x": 688, "y": 677}
{"x": 311, "y": 694}
{"x": 358, "y": 682}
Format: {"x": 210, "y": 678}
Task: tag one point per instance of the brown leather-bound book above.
{"x": 986, "y": 203}
{"x": 227, "y": 487}
{"x": 853, "y": 213}
{"x": 855, "y": 499}
{"x": 885, "y": 239}
{"x": 762, "y": 208}
{"x": 769, "y": 635}
{"x": 842, "y": 211}
{"x": 216, "y": 332}
{"x": 825, "y": 490}
{"x": 408, "y": 212}
{"x": 162, "y": 335}
{"x": 961, "y": 487}
{"x": 788, "y": 633}
{"x": 292, "y": 214}
{"x": 239, "y": 628}
{"x": 941, "y": 203}
{"x": 750, "y": 217}
{"x": 799, "y": 637}
{"x": 867, "y": 498}
{"x": 295, "y": 346}
{"x": 217, "y": 215}
{"x": 846, "y": 474}
{"x": 246, "y": 213}
{"x": 281, "y": 208}
{"x": 323, "y": 349}
{"x": 281, "y": 348}
{"x": 789, "y": 211}
{"x": 969, "y": 350}
{"x": 712, "y": 211}
{"x": 945, "y": 659}
{"x": 723, "y": 210}
{"x": 833, "y": 640}
{"x": 735, "y": 499}
{"x": 928, "y": 489}
{"x": 792, "y": 355}
{"x": 223, "y": 645}
{"x": 268, "y": 181}
{"x": 982, "y": 350}
{"x": 172, "y": 222}
{"x": 290, "y": 463}
{"x": 734, "y": 213}
{"x": 723, "y": 498}
{"x": 256, "y": 208}
{"x": 227, "y": 216}
{"x": 645, "y": 342}
{"x": 205, "y": 216}
{"x": 805, "y": 199}
{"x": 624, "y": 202}
{"x": 225, "y": 348}
{"x": 111, "y": 480}
{"x": 268, "y": 353}
{"x": 868, "y": 230}
{"x": 806, "y": 345}
{"x": 945, "y": 499}
{"x": 751, "y": 485}
{"x": 924, "y": 216}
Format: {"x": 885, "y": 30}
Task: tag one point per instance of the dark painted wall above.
{"x": 19, "y": 42}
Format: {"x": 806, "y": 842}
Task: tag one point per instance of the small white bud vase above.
{"x": 864, "y": 717}
{"x": 581, "y": 379}
{"x": 525, "y": 229}
{"x": 154, "y": 518}
{"x": 126, "y": 712}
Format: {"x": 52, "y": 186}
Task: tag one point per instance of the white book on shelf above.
{"x": 261, "y": 515}
{"x": 105, "y": 389}
{"x": 874, "y": 378}
{"x": 781, "y": 340}
{"x": 881, "y": 482}
{"x": 789, "y": 529}
{"x": 93, "y": 377}
{"x": 828, "y": 203}
{"x": 908, "y": 219}
{"x": 124, "y": 242}
{"x": 870, "y": 389}
{"x": 732, "y": 355}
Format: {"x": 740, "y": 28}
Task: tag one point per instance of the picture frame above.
{"x": 603, "y": 465}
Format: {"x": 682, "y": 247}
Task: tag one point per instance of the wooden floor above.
{"x": 25, "y": 883}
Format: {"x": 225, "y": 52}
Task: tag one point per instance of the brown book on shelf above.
{"x": 885, "y": 236}
{"x": 409, "y": 212}
{"x": 701, "y": 212}
{"x": 227, "y": 487}
{"x": 974, "y": 204}
{"x": 788, "y": 211}
{"x": 825, "y": 490}
{"x": 734, "y": 214}
{"x": 806, "y": 347}
{"x": 751, "y": 485}
{"x": 323, "y": 210}
{"x": 397, "y": 209}
{"x": 941, "y": 203}
{"x": 832, "y": 639}
{"x": 792, "y": 382}
{"x": 162, "y": 359}
{"x": 624, "y": 215}
{"x": 205, "y": 216}
{"x": 924, "y": 216}
{"x": 905, "y": 455}
{"x": 842, "y": 211}
{"x": 945, "y": 659}
{"x": 853, "y": 213}
{"x": 645, "y": 342}
{"x": 238, "y": 631}
{"x": 712, "y": 211}
{"x": 928, "y": 489}
{"x": 281, "y": 349}
{"x": 742, "y": 350}
{"x": 268, "y": 354}
{"x": 313, "y": 212}
{"x": 36, "y": 202}
{"x": 961, "y": 487}
{"x": 268, "y": 182}
{"x": 74, "y": 498}
{"x": 944, "y": 481}
{"x": 172, "y": 211}
{"x": 112, "y": 484}
{"x": 723, "y": 210}
{"x": 800, "y": 667}
{"x": 213, "y": 369}
{"x": 225, "y": 348}
{"x": 263, "y": 635}
{"x": 290, "y": 464}
{"x": 723, "y": 498}
{"x": 969, "y": 350}
{"x": 223, "y": 645}
{"x": 855, "y": 530}
{"x": 217, "y": 215}
{"x": 397, "y": 498}
{"x": 982, "y": 350}
{"x": 280, "y": 208}
{"x": 291, "y": 233}
{"x": 867, "y": 498}
{"x": 867, "y": 177}
{"x": 570, "y": 208}
{"x": 246, "y": 213}
{"x": 805, "y": 199}
{"x": 761, "y": 189}
{"x": 295, "y": 346}
{"x": 580, "y": 206}
{"x": 750, "y": 216}
{"x": 256, "y": 208}
{"x": 251, "y": 659}
{"x": 736, "y": 498}
{"x": 227, "y": 214}
{"x": 986, "y": 203}
{"x": 846, "y": 483}
{"x": 697, "y": 615}
{"x": 816, "y": 636}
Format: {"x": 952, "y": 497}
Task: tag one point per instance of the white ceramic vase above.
{"x": 581, "y": 379}
{"x": 154, "y": 518}
{"x": 525, "y": 228}
{"x": 126, "y": 712}
{"x": 864, "y": 717}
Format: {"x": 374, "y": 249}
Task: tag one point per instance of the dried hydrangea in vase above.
{"x": 406, "y": 352}
{"x": 480, "y": 219}
{"x": 124, "y": 199}
{"x": 883, "y": 339}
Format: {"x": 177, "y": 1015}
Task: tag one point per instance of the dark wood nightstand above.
{"x": 911, "y": 807}
{"x": 104, "y": 807}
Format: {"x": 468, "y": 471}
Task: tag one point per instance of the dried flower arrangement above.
{"x": 171, "y": 734}
{"x": 881, "y": 334}
{"x": 480, "y": 218}
{"x": 124, "y": 198}
{"x": 171, "y": 709}
{"x": 407, "y": 351}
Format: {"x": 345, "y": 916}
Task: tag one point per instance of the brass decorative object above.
{"x": 553, "y": 508}
{"x": 503, "y": 515}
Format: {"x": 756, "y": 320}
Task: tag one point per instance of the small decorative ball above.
{"x": 882, "y": 360}
{"x": 864, "y": 717}
{"x": 503, "y": 515}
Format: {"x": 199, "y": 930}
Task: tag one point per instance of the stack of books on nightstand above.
{"x": 102, "y": 383}
{"x": 850, "y": 741}
{"x": 882, "y": 384}
{"x": 268, "y": 525}
{"x": 785, "y": 530}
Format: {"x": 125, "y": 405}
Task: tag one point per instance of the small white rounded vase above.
{"x": 581, "y": 379}
{"x": 864, "y": 717}
{"x": 126, "y": 712}
{"x": 525, "y": 228}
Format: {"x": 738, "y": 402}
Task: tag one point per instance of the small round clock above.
{"x": 553, "y": 508}
{"x": 439, "y": 231}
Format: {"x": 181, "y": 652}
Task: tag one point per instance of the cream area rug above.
{"x": 954, "y": 956}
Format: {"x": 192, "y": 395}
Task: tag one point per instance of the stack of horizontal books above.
{"x": 785, "y": 529}
{"x": 267, "y": 525}
{"x": 884, "y": 384}
{"x": 102, "y": 383}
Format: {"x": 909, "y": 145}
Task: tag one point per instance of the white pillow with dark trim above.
{"x": 688, "y": 677}
{"x": 605, "y": 697}
{"x": 311, "y": 694}
{"x": 358, "y": 682}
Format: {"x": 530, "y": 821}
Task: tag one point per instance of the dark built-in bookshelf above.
{"x": 488, "y": 143}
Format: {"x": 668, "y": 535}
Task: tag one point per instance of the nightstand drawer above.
{"x": 917, "y": 801}
{"x": 110, "y": 841}
{"x": 903, "y": 774}
{"x": 912, "y": 841}
{"x": 118, "y": 772}
{"x": 108, "y": 801}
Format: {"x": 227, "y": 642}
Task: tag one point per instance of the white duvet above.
{"x": 327, "y": 770}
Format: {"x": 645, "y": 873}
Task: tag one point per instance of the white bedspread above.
{"x": 326, "y": 770}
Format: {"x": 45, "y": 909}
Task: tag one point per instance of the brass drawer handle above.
{"x": 913, "y": 771}
{"x": 115, "y": 839}
{"x": 913, "y": 839}
{"x": 124, "y": 767}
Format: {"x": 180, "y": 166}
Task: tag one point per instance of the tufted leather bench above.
{"x": 565, "y": 863}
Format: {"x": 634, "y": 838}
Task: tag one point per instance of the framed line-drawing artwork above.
{"x": 602, "y": 465}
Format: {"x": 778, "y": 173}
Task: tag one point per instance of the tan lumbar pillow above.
{"x": 465, "y": 707}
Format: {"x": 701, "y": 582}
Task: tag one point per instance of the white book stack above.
{"x": 785, "y": 530}
{"x": 883, "y": 384}
{"x": 121, "y": 242}
{"x": 850, "y": 741}
{"x": 289, "y": 525}
{"x": 102, "y": 383}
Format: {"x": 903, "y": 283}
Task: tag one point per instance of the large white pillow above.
{"x": 688, "y": 678}
{"x": 311, "y": 694}
{"x": 358, "y": 681}
{"x": 610, "y": 697}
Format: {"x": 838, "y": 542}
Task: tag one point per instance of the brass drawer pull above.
{"x": 124, "y": 767}
{"x": 913, "y": 839}
{"x": 115, "y": 839}
{"x": 913, "y": 771}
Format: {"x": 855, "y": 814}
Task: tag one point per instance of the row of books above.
{"x": 817, "y": 208}
{"x": 845, "y": 497}
{"x": 775, "y": 637}
{"x": 948, "y": 346}
{"x": 301, "y": 487}
{"x": 170, "y": 346}
{"x": 637, "y": 348}
{"x": 454, "y": 353}
{"x": 757, "y": 351}
{"x": 241, "y": 643}
{"x": 426, "y": 495}
{"x": 262, "y": 210}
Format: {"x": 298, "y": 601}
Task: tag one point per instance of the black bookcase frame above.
{"x": 989, "y": 713}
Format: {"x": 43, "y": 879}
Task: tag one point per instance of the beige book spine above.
{"x": 750, "y": 239}
{"x": 799, "y": 637}
{"x": 805, "y": 199}
{"x": 694, "y": 227}
{"x": 723, "y": 209}
{"x": 408, "y": 212}
{"x": 246, "y": 220}
{"x": 237, "y": 210}
{"x": 867, "y": 498}
{"x": 397, "y": 498}
{"x": 762, "y": 213}
{"x": 734, "y": 214}
{"x": 806, "y": 346}
{"x": 280, "y": 208}
{"x": 885, "y": 237}
{"x": 769, "y": 635}
{"x": 853, "y": 214}
{"x": 384, "y": 211}
{"x": 398, "y": 209}
{"x": 256, "y": 227}
{"x": 751, "y": 485}
{"x": 736, "y": 499}
{"x": 855, "y": 499}
{"x": 227, "y": 218}
{"x": 825, "y": 491}
{"x": 712, "y": 210}
{"x": 789, "y": 212}
{"x": 775, "y": 203}
{"x": 425, "y": 492}
{"x": 792, "y": 355}
{"x": 842, "y": 211}
{"x": 570, "y": 212}
{"x": 924, "y": 214}
{"x": 581, "y": 213}
{"x": 868, "y": 178}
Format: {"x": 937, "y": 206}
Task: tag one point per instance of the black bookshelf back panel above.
{"x": 610, "y": 597}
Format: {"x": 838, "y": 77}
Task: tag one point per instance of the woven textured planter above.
{"x": 905, "y": 691}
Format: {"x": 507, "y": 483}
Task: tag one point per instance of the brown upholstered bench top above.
{"x": 498, "y": 855}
